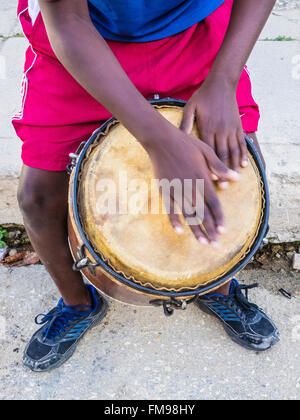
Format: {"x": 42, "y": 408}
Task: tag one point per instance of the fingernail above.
{"x": 223, "y": 185}
{"x": 214, "y": 177}
{"x": 179, "y": 230}
{"x": 203, "y": 240}
{"x": 234, "y": 175}
{"x": 244, "y": 163}
{"x": 221, "y": 230}
{"x": 215, "y": 244}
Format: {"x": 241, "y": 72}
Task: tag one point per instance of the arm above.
{"x": 174, "y": 154}
{"x": 214, "y": 104}
{"x": 87, "y": 57}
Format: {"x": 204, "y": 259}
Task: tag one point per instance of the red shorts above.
{"x": 57, "y": 113}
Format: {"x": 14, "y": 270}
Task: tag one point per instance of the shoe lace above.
{"x": 58, "y": 318}
{"x": 239, "y": 302}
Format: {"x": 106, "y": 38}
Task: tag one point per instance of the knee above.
{"x": 36, "y": 204}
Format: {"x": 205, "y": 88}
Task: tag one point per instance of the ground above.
{"x": 138, "y": 352}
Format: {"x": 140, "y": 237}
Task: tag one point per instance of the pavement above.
{"x": 138, "y": 353}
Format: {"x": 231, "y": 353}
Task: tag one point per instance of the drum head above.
{"x": 144, "y": 247}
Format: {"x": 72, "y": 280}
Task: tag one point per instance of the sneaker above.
{"x": 54, "y": 343}
{"x": 245, "y": 323}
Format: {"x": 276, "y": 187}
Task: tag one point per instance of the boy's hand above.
{"x": 176, "y": 155}
{"x": 215, "y": 109}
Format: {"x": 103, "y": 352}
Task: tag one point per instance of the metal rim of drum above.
{"x": 147, "y": 290}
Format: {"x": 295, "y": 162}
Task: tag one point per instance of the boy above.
{"x": 84, "y": 53}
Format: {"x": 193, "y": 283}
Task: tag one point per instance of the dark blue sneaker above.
{"x": 54, "y": 343}
{"x": 245, "y": 323}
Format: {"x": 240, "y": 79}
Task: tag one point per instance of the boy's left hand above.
{"x": 214, "y": 108}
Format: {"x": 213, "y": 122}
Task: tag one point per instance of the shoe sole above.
{"x": 71, "y": 351}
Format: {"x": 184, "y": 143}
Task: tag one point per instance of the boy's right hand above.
{"x": 176, "y": 155}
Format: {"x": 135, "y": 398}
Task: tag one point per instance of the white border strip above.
{"x": 24, "y": 83}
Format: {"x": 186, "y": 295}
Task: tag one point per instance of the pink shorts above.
{"x": 57, "y": 113}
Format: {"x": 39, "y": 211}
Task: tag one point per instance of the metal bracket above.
{"x": 170, "y": 305}
{"x": 74, "y": 157}
{"x": 84, "y": 262}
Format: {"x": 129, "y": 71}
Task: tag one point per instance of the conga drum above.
{"x": 137, "y": 257}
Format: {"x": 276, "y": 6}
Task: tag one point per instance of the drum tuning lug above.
{"x": 74, "y": 157}
{"x": 170, "y": 305}
{"x": 84, "y": 262}
{"x": 183, "y": 304}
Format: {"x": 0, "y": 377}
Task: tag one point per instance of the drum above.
{"x": 136, "y": 256}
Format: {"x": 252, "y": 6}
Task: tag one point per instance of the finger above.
{"x": 174, "y": 218}
{"x": 209, "y": 227}
{"x": 213, "y": 204}
{"x": 217, "y": 167}
{"x": 194, "y": 224}
{"x": 191, "y": 213}
{"x": 235, "y": 153}
{"x": 199, "y": 234}
{"x": 210, "y": 141}
{"x": 243, "y": 149}
{"x": 188, "y": 118}
{"x": 222, "y": 149}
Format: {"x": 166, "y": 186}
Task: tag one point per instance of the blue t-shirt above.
{"x": 147, "y": 20}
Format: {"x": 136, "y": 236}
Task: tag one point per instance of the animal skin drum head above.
{"x": 144, "y": 247}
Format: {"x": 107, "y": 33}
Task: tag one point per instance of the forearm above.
{"x": 87, "y": 57}
{"x": 246, "y": 23}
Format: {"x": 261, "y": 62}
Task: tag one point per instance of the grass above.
{"x": 5, "y": 38}
{"x": 280, "y": 38}
{"x": 3, "y": 235}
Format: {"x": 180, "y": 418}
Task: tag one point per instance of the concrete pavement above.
{"x": 138, "y": 353}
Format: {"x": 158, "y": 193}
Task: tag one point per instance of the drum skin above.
{"x": 143, "y": 248}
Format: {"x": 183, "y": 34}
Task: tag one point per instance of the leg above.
{"x": 42, "y": 197}
{"x": 257, "y": 147}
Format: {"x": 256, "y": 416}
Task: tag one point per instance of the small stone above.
{"x": 277, "y": 255}
{"x": 12, "y": 252}
{"x": 296, "y": 262}
{"x": 3, "y": 252}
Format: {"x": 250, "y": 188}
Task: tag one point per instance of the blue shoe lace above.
{"x": 238, "y": 301}
{"x": 59, "y": 318}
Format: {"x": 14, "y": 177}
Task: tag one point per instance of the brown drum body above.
{"x": 143, "y": 248}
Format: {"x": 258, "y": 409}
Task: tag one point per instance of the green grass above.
{"x": 280, "y": 38}
{"x": 3, "y": 235}
{"x": 4, "y": 38}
